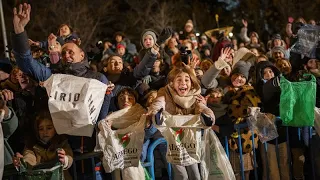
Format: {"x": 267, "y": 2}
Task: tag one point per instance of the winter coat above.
{"x": 168, "y": 100}
{"x": 70, "y": 37}
{"x": 41, "y": 73}
{"x": 259, "y": 75}
{"x": 212, "y": 79}
{"x": 8, "y": 127}
{"x": 41, "y": 153}
{"x": 239, "y": 101}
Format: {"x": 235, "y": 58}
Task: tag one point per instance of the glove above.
{"x": 147, "y": 79}
{"x": 165, "y": 34}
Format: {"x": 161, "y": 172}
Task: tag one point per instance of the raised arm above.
{"x": 21, "y": 47}
{"x": 144, "y": 67}
{"x": 209, "y": 78}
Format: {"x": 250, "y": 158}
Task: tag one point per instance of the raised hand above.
{"x": 245, "y": 23}
{"x": 225, "y": 52}
{"x": 54, "y": 46}
{"x": 21, "y": 17}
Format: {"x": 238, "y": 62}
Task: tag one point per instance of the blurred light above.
{"x": 197, "y": 34}
{"x": 230, "y": 34}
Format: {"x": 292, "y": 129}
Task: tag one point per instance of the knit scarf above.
{"x": 125, "y": 117}
{"x": 184, "y": 102}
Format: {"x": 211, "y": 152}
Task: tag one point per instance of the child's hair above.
{"x": 214, "y": 90}
{"x": 177, "y": 70}
{"x": 42, "y": 115}
{"x": 129, "y": 91}
{"x": 71, "y": 30}
{"x": 146, "y": 95}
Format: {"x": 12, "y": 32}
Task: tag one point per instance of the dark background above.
{"x": 98, "y": 19}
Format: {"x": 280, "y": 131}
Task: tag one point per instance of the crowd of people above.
{"x": 217, "y": 77}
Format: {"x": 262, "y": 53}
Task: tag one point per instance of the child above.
{"x": 239, "y": 97}
{"x": 265, "y": 73}
{"x": 48, "y": 146}
{"x": 182, "y": 96}
{"x": 65, "y": 34}
{"x": 223, "y": 126}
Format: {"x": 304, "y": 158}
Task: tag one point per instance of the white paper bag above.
{"x": 121, "y": 148}
{"x": 183, "y": 134}
{"x": 214, "y": 161}
{"x": 74, "y": 103}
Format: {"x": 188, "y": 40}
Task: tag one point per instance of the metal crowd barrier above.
{"x": 238, "y": 127}
{"x": 11, "y": 173}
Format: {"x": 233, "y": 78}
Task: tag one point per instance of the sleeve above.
{"x": 68, "y": 157}
{"x": 289, "y": 30}
{"x": 144, "y": 67}
{"x": 44, "y": 45}
{"x": 29, "y": 157}
{"x": 158, "y": 103}
{"x": 244, "y": 34}
{"x": 106, "y": 102}
{"x": 208, "y": 79}
{"x": 9, "y": 125}
{"x": 25, "y": 60}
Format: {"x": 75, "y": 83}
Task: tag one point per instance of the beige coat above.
{"x": 174, "y": 104}
{"x": 38, "y": 155}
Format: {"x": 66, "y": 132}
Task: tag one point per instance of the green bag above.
{"x": 297, "y": 101}
{"x": 41, "y": 173}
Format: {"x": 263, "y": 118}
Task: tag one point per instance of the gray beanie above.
{"x": 150, "y": 32}
{"x": 280, "y": 49}
{"x": 243, "y": 68}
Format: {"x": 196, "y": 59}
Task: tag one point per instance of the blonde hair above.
{"x": 183, "y": 69}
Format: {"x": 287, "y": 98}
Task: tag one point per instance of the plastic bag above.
{"x": 264, "y": 125}
{"x": 183, "y": 134}
{"x": 297, "y": 102}
{"x": 54, "y": 173}
{"x": 214, "y": 161}
{"x": 74, "y": 103}
{"x": 317, "y": 119}
{"x": 308, "y": 38}
{"x": 121, "y": 148}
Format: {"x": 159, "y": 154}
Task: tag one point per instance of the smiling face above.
{"x": 238, "y": 80}
{"x": 71, "y": 53}
{"x": 64, "y": 30}
{"x": 46, "y": 130}
{"x": 148, "y": 41}
{"x": 115, "y": 65}
{"x": 182, "y": 84}
{"x": 312, "y": 64}
{"x": 125, "y": 99}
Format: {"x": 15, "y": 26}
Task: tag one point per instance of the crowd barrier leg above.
{"x": 265, "y": 146}
{"x": 240, "y": 152}
{"x": 311, "y": 153}
{"x": 289, "y": 152}
{"x": 74, "y": 167}
{"x": 278, "y": 156}
{"x": 150, "y": 158}
{"x": 254, "y": 156}
{"x": 226, "y": 146}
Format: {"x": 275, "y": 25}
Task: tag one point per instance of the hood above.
{"x": 260, "y": 68}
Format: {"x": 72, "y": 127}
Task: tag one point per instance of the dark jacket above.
{"x": 70, "y": 37}
{"x": 259, "y": 75}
